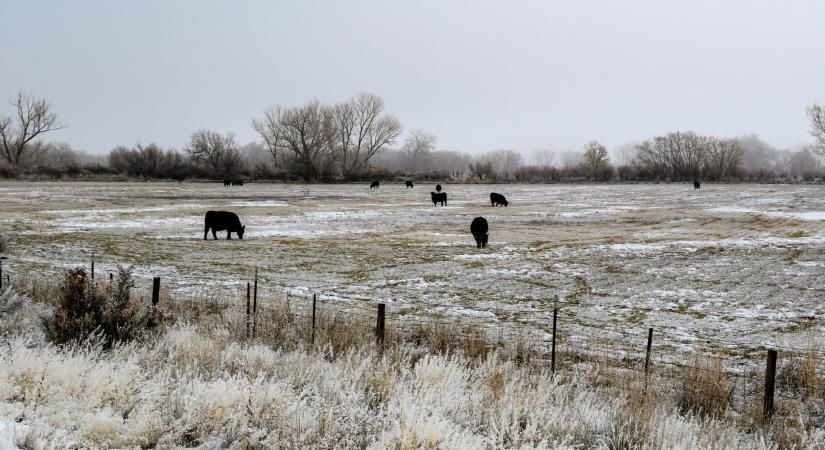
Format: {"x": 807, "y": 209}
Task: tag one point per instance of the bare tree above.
{"x": 723, "y": 156}
{"x": 417, "y": 148}
{"x": 544, "y": 158}
{"x": 33, "y": 118}
{"x": 504, "y": 162}
{"x": 348, "y": 134}
{"x": 816, "y": 114}
{"x": 481, "y": 169}
{"x": 270, "y": 130}
{"x": 625, "y": 154}
{"x": 215, "y": 150}
{"x": 678, "y": 154}
{"x": 570, "y": 159}
{"x": 595, "y": 158}
{"x": 362, "y": 129}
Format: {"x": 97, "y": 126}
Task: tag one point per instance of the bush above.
{"x": 86, "y": 309}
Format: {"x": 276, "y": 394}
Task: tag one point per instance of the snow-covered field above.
{"x": 732, "y": 266}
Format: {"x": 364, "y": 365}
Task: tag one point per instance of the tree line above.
{"x": 359, "y": 139}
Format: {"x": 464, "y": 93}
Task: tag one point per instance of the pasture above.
{"x": 726, "y": 266}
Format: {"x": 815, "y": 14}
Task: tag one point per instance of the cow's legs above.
{"x": 228, "y": 235}
{"x": 215, "y": 234}
{"x": 205, "y": 233}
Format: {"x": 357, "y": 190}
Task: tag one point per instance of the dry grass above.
{"x": 801, "y": 373}
{"x": 706, "y": 389}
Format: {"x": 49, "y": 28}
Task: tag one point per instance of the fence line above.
{"x": 632, "y": 350}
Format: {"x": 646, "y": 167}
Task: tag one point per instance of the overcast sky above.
{"x": 480, "y": 75}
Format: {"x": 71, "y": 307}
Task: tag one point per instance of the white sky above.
{"x": 480, "y": 75}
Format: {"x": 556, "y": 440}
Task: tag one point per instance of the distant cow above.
{"x": 222, "y": 220}
{"x": 227, "y": 183}
{"x": 497, "y": 199}
{"x": 479, "y": 229}
{"x": 409, "y": 184}
{"x": 439, "y": 197}
{"x": 237, "y": 183}
{"x": 696, "y": 184}
{"x": 438, "y": 188}
{"x": 374, "y": 185}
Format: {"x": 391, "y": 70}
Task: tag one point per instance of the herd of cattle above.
{"x": 228, "y": 221}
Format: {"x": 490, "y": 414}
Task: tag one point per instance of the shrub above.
{"x": 85, "y": 308}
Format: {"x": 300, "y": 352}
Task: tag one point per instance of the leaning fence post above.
{"x": 553, "y": 345}
{"x": 248, "y": 312}
{"x": 255, "y": 306}
{"x": 314, "y": 300}
{"x": 770, "y": 380}
{"x": 379, "y": 328}
{"x": 155, "y": 291}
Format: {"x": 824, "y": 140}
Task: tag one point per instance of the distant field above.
{"x": 723, "y": 266}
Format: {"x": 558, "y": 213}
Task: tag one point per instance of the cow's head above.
{"x": 241, "y": 232}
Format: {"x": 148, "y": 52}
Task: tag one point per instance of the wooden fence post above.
{"x": 314, "y": 301}
{"x": 255, "y": 306}
{"x": 770, "y": 383}
{"x": 93, "y": 265}
{"x": 248, "y": 312}
{"x": 1, "y": 273}
{"x": 553, "y": 346}
{"x": 155, "y": 291}
{"x": 379, "y": 328}
{"x": 111, "y": 277}
{"x": 647, "y": 355}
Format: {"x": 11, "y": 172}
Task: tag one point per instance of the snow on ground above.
{"x": 740, "y": 263}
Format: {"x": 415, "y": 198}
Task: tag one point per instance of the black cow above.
{"x": 237, "y": 183}
{"x": 696, "y": 184}
{"x": 374, "y": 185}
{"x": 479, "y": 229}
{"x": 439, "y": 197}
{"x": 226, "y": 183}
{"x": 438, "y": 188}
{"x": 409, "y": 184}
{"x": 497, "y": 199}
{"x": 222, "y": 220}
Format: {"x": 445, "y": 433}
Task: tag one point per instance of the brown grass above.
{"x": 706, "y": 389}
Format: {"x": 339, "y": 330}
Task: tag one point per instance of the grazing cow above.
{"x": 497, "y": 199}
{"x": 374, "y": 185}
{"x": 222, "y": 220}
{"x": 696, "y": 184}
{"x": 439, "y": 197}
{"x": 409, "y": 184}
{"x": 479, "y": 229}
{"x": 237, "y": 183}
{"x": 226, "y": 183}
{"x": 438, "y": 188}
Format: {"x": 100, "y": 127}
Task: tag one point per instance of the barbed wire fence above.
{"x": 716, "y": 375}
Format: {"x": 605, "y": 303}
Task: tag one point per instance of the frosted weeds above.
{"x": 188, "y": 388}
